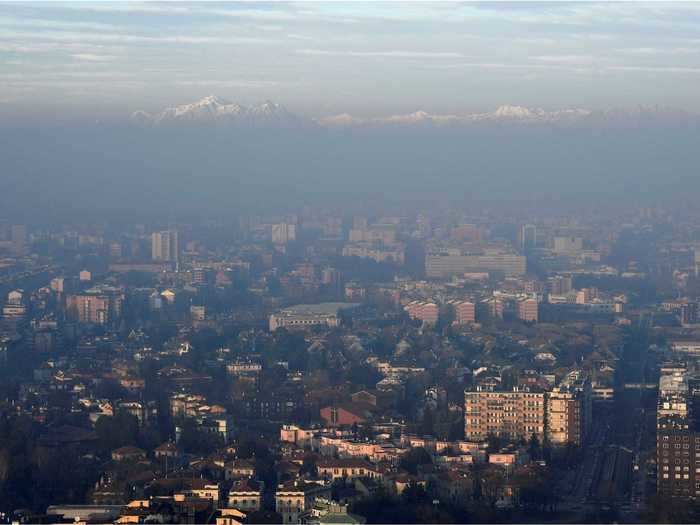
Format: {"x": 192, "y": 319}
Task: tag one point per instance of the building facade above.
{"x": 446, "y": 265}
{"x": 165, "y": 246}
{"x": 516, "y": 414}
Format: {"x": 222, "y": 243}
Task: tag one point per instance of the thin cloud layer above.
{"x": 331, "y": 58}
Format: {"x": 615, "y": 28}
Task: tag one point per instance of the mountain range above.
{"x": 214, "y": 110}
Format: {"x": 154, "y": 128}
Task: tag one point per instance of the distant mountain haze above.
{"x": 214, "y": 157}
{"x": 213, "y": 109}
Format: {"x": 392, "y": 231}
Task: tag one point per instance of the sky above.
{"x": 111, "y": 58}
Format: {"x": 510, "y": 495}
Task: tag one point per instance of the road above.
{"x": 623, "y": 435}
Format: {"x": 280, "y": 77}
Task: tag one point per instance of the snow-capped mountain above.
{"x": 638, "y": 116}
{"x": 212, "y": 109}
{"x": 503, "y": 113}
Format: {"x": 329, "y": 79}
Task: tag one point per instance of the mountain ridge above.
{"x": 215, "y": 110}
{"x": 212, "y": 109}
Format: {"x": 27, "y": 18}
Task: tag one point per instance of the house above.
{"x": 454, "y": 486}
{"x": 230, "y": 517}
{"x": 167, "y": 450}
{"x": 324, "y": 511}
{"x": 297, "y": 435}
{"x": 287, "y": 470}
{"x": 169, "y": 296}
{"x": 220, "y": 425}
{"x": 133, "y": 384}
{"x": 134, "y": 511}
{"x": 509, "y": 458}
{"x": 402, "y": 481}
{"x": 239, "y": 468}
{"x": 128, "y": 453}
{"x": 364, "y": 396}
{"x": 203, "y": 489}
{"x": 245, "y": 495}
{"x": 295, "y": 497}
{"x": 347, "y": 414}
{"x": 350, "y": 468}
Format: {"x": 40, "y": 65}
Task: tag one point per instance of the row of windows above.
{"x": 677, "y": 446}
{"x": 681, "y": 438}
{"x": 236, "y": 501}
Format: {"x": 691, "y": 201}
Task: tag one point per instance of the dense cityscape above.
{"x": 434, "y": 365}
{"x": 339, "y": 262}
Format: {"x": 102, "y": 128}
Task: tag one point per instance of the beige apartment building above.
{"x": 511, "y": 414}
{"x": 564, "y": 422}
{"x": 563, "y": 414}
{"x": 569, "y": 410}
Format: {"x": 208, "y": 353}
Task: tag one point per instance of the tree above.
{"x": 414, "y": 493}
{"x": 309, "y": 466}
{"x": 490, "y": 482}
{"x": 196, "y": 441}
{"x": 534, "y": 447}
{"x": 363, "y": 374}
{"x": 427, "y": 427}
{"x": 117, "y": 431}
{"x": 414, "y": 458}
{"x": 533, "y": 491}
{"x": 494, "y": 443}
{"x": 446, "y": 316}
{"x": 110, "y": 389}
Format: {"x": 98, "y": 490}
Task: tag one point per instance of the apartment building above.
{"x": 426, "y": 311}
{"x": 446, "y": 265}
{"x": 677, "y": 438}
{"x": 515, "y": 414}
{"x": 527, "y": 310}
{"x": 96, "y": 306}
{"x": 569, "y": 410}
{"x": 465, "y": 311}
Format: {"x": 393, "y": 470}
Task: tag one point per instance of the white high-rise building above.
{"x": 164, "y": 246}
{"x": 283, "y": 233}
{"x": 528, "y": 237}
{"x": 567, "y": 245}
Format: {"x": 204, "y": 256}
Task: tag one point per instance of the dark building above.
{"x": 678, "y": 437}
{"x": 678, "y": 453}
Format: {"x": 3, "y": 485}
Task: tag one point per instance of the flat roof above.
{"x": 317, "y": 309}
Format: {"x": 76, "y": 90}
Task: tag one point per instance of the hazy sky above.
{"x": 107, "y": 58}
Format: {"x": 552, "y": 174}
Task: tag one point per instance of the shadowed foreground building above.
{"x": 677, "y": 438}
